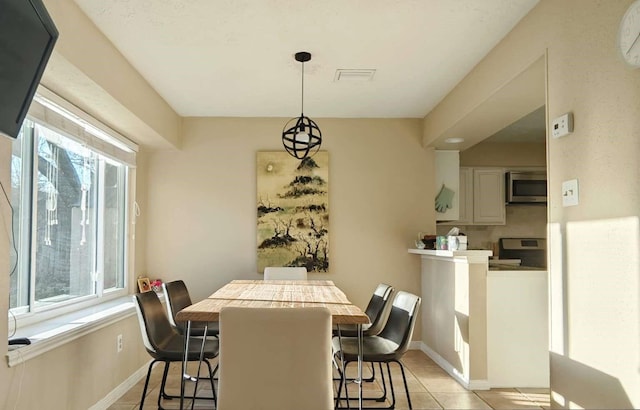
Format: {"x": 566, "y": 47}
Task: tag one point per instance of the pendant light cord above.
{"x": 302, "y": 105}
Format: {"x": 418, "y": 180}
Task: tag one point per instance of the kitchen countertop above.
{"x": 507, "y": 267}
{"x": 445, "y": 253}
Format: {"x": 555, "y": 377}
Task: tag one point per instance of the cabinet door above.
{"x": 488, "y": 196}
{"x": 466, "y": 196}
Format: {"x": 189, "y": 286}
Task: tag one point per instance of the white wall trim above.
{"x": 446, "y": 366}
{"x": 121, "y": 389}
{"x": 415, "y": 345}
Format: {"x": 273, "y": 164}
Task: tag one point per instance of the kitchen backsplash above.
{"x": 523, "y": 221}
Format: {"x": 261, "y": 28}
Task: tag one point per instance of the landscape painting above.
{"x": 293, "y": 211}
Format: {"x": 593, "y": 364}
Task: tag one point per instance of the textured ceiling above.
{"x": 235, "y": 57}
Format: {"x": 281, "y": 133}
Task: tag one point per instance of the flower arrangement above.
{"x": 156, "y": 285}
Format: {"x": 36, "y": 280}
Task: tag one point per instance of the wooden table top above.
{"x": 276, "y": 294}
{"x": 282, "y": 291}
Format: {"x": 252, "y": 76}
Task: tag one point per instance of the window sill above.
{"x": 52, "y": 333}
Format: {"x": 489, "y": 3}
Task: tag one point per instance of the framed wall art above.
{"x": 144, "y": 285}
{"x": 293, "y": 211}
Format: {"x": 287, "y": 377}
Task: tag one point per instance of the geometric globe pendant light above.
{"x": 301, "y": 136}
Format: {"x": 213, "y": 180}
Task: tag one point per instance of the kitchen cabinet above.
{"x": 481, "y": 199}
{"x": 466, "y": 196}
{"x": 447, "y": 164}
{"x": 488, "y": 196}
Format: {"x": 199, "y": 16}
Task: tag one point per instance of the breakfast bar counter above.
{"x": 454, "y": 312}
{"x": 486, "y": 328}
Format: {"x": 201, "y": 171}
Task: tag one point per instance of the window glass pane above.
{"x": 65, "y": 220}
{"x": 19, "y": 276}
{"x": 114, "y": 217}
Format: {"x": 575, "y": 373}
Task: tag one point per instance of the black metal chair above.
{"x": 388, "y": 346}
{"x": 378, "y": 312}
{"x": 177, "y": 298}
{"x": 165, "y": 344}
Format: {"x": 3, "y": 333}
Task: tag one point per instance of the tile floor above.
{"x": 430, "y": 388}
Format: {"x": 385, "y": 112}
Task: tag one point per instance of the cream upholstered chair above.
{"x": 285, "y": 273}
{"x": 275, "y": 359}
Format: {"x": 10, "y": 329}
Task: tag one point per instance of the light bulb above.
{"x": 303, "y": 137}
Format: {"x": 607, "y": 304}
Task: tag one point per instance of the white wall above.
{"x": 594, "y": 275}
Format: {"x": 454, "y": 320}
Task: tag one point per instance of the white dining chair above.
{"x": 285, "y": 273}
{"x": 275, "y": 359}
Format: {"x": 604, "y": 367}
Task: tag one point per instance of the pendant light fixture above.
{"x": 301, "y": 136}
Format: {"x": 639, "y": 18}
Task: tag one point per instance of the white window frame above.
{"x": 53, "y": 112}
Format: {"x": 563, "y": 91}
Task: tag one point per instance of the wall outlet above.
{"x": 119, "y": 343}
{"x": 562, "y": 125}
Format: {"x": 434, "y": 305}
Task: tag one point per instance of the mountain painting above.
{"x": 293, "y": 211}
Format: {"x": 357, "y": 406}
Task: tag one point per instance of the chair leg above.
{"x": 146, "y": 383}
{"x": 393, "y": 394}
{"x": 406, "y": 387}
{"x": 164, "y": 395}
{"x": 163, "y": 383}
{"x": 213, "y": 388}
{"x": 342, "y": 381}
{"x": 384, "y": 385}
{"x": 373, "y": 374}
{"x": 382, "y": 398}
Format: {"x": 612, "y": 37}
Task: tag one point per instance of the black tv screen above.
{"x": 27, "y": 37}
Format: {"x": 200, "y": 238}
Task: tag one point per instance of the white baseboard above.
{"x": 121, "y": 389}
{"x": 453, "y": 372}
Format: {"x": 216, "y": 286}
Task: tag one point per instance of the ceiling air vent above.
{"x": 351, "y": 75}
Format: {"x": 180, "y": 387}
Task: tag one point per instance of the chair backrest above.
{"x": 154, "y": 324}
{"x": 275, "y": 358}
{"x": 402, "y": 320}
{"x": 285, "y": 273}
{"x": 176, "y": 296}
{"x": 377, "y": 308}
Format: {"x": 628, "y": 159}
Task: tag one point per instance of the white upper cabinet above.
{"x": 488, "y": 196}
{"x": 447, "y": 164}
{"x": 481, "y": 199}
{"x": 466, "y": 196}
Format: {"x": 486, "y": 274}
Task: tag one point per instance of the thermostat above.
{"x": 562, "y": 125}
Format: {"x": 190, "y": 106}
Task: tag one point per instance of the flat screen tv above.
{"x": 27, "y": 37}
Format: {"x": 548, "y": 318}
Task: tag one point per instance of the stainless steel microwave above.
{"x": 525, "y": 187}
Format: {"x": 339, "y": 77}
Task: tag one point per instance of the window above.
{"x": 70, "y": 185}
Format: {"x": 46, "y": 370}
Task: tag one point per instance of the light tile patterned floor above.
{"x": 430, "y": 388}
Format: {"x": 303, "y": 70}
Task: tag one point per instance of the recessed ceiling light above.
{"x": 455, "y": 140}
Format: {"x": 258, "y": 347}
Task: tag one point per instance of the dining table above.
{"x": 276, "y": 294}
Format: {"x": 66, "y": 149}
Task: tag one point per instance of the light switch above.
{"x": 570, "y": 193}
